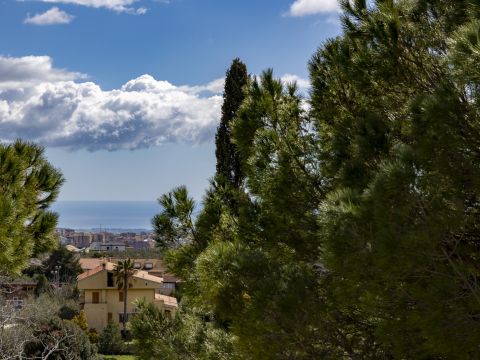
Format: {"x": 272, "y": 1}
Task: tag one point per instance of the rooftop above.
{"x": 167, "y": 300}
{"x": 109, "y": 266}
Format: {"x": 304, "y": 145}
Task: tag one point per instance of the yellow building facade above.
{"x": 103, "y": 302}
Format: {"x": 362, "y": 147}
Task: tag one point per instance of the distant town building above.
{"x": 113, "y": 246}
{"x": 15, "y": 293}
{"x": 98, "y": 237}
{"x": 80, "y": 239}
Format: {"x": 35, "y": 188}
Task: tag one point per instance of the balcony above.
{"x": 94, "y": 303}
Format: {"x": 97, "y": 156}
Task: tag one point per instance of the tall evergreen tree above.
{"x": 228, "y": 162}
{"x": 358, "y": 237}
{"x": 395, "y": 104}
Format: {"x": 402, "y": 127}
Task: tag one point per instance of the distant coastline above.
{"x": 112, "y": 216}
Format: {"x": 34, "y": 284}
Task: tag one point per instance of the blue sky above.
{"x": 125, "y": 95}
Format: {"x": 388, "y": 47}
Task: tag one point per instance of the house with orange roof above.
{"x": 154, "y": 267}
{"x": 102, "y": 301}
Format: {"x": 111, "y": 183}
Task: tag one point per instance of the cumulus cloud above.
{"x": 57, "y": 108}
{"x": 310, "y": 7}
{"x": 31, "y": 70}
{"x": 50, "y": 17}
{"x": 60, "y": 108}
{"x": 115, "y": 5}
{"x": 215, "y": 86}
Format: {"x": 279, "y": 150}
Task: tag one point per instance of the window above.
{"x": 95, "y": 297}
{"x": 110, "y": 279}
{"x": 110, "y": 317}
{"x": 168, "y": 285}
{"x": 137, "y": 265}
{"x": 120, "y": 296}
{"x": 148, "y": 265}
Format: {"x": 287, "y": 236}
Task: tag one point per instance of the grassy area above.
{"x": 118, "y": 357}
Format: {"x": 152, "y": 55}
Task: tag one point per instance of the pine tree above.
{"x": 395, "y": 102}
{"x": 228, "y": 162}
{"x": 110, "y": 341}
{"x": 28, "y": 186}
{"x": 68, "y": 261}
{"x": 358, "y": 238}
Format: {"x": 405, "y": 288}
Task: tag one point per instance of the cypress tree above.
{"x": 228, "y": 161}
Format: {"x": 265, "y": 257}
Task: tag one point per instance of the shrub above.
{"x": 93, "y": 336}
{"x": 110, "y": 340}
{"x": 68, "y": 312}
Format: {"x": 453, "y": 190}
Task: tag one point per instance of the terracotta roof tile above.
{"x": 145, "y": 275}
{"x": 89, "y": 264}
{"x": 108, "y": 266}
{"x": 140, "y": 274}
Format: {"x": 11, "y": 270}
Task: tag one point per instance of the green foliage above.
{"x": 69, "y": 312}
{"x": 395, "y": 104}
{"x": 43, "y": 286}
{"x": 80, "y": 320}
{"x": 228, "y": 161}
{"x": 174, "y": 225}
{"x": 93, "y": 336}
{"x": 110, "y": 341}
{"x": 187, "y": 336}
{"x": 68, "y": 262}
{"x": 38, "y": 333}
{"x": 356, "y": 235}
{"x": 28, "y": 186}
{"x": 62, "y": 339}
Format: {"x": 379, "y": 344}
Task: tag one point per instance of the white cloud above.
{"x": 50, "y": 17}
{"x": 57, "y": 107}
{"x": 32, "y": 69}
{"x": 215, "y": 86}
{"x": 310, "y": 7}
{"x": 302, "y": 84}
{"x": 115, "y": 5}
{"x": 52, "y": 106}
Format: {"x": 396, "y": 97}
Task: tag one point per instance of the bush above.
{"x": 93, "y": 336}
{"x": 63, "y": 339}
{"x": 68, "y": 312}
{"x": 43, "y": 286}
{"x": 81, "y": 321}
{"x": 110, "y": 341}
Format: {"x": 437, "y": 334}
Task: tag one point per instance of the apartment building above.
{"x": 102, "y": 301}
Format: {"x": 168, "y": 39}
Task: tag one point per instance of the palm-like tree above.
{"x": 123, "y": 273}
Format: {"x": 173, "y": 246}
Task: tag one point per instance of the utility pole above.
{"x": 56, "y": 275}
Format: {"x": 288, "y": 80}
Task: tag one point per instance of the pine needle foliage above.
{"x": 355, "y": 235}
{"x": 29, "y": 184}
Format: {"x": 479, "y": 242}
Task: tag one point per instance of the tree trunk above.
{"x": 125, "y": 290}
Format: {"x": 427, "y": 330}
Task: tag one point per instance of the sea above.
{"x": 114, "y": 216}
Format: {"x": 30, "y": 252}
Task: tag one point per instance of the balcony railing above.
{"x": 94, "y": 303}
